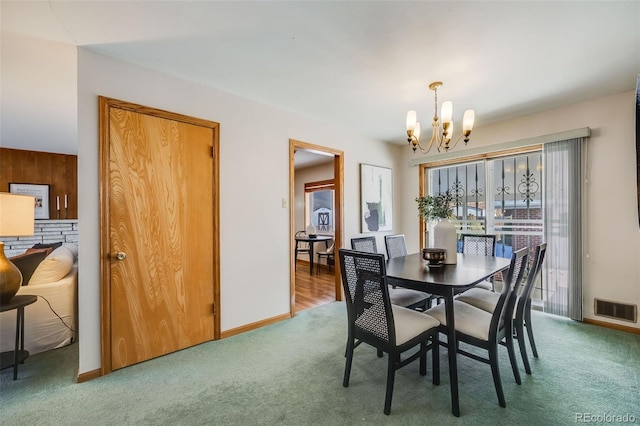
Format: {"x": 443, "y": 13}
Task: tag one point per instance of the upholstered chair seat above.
{"x": 410, "y": 323}
{"x": 485, "y": 285}
{"x": 469, "y": 319}
{"x": 481, "y": 298}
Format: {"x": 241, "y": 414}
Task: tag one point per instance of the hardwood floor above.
{"x": 313, "y": 290}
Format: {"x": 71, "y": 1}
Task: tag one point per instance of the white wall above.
{"x": 43, "y": 73}
{"x": 254, "y": 177}
{"x": 612, "y": 236}
{"x": 254, "y": 142}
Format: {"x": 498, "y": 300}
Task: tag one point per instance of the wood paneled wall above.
{"x": 59, "y": 171}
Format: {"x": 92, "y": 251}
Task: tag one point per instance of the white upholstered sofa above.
{"x": 50, "y": 322}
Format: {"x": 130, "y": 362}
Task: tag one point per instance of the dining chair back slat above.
{"x": 484, "y": 245}
{"x": 364, "y": 244}
{"x": 396, "y": 246}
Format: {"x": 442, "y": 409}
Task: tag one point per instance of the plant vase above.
{"x": 445, "y": 237}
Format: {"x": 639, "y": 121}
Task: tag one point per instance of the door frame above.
{"x": 104, "y": 106}
{"x": 338, "y": 177}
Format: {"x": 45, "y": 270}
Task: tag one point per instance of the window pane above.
{"x": 512, "y": 207}
{"x": 518, "y": 202}
{"x": 319, "y": 208}
{"x": 466, "y": 183}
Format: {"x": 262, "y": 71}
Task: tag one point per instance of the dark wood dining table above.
{"x": 311, "y": 241}
{"x": 446, "y": 280}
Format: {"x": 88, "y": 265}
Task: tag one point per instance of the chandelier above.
{"x": 440, "y": 138}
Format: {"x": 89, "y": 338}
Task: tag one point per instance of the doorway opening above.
{"x": 315, "y": 280}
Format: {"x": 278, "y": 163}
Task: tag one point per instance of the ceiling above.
{"x": 358, "y": 64}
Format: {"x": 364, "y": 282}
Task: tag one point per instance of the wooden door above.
{"x": 160, "y": 250}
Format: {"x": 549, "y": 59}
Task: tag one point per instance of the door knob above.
{"x": 121, "y": 255}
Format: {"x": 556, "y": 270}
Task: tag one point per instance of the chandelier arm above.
{"x": 456, "y": 142}
{"x": 435, "y": 137}
{"x": 422, "y": 149}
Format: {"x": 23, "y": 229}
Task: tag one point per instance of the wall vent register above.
{"x": 621, "y": 311}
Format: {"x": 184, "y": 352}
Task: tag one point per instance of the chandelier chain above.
{"x": 435, "y": 105}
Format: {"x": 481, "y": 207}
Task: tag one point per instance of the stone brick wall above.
{"x": 46, "y": 232}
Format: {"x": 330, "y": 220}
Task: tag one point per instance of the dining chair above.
{"x": 487, "y": 301}
{"x": 302, "y": 247}
{"x": 484, "y": 330}
{"x": 374, "y": 320}
{"x": 412, "y": 299}
{"x": 396, "y": 245}
{"x": 523, "y": 309}
{"x": 365, "y": 244}
{"x": 483, "y": 245}
{"x": 328, "y": 254}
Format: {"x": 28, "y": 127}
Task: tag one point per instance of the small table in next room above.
{"x": 18, "y": 355}
{"x": 312, "y": 241}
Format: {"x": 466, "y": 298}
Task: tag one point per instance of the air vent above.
{"x": 621, "y": 311}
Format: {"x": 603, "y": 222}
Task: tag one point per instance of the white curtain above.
{"x": 562, "y": 272}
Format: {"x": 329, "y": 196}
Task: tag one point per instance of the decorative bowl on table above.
{"x": 434, "y": 256}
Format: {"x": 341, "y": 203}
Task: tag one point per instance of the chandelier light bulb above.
{"x": 447, "y": 111}
{"x": 467, "y": 120}
{"x": 411, "y": 120}
{"x": 416, "y": 131}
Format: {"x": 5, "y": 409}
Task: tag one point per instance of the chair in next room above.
{"x": 302, "y": 247}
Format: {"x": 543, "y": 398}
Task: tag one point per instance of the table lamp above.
{"x": 16, "y": 220}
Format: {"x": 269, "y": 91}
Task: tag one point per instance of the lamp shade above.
{"x": 468, "y": 119}
{"x": 447, "y": 111}
{"x": 411, "y": 120}
{"x": 17, "y": 214}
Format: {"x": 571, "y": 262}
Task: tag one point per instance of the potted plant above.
{"x": 435, "y": 207}
{"x": 439, "y": 208}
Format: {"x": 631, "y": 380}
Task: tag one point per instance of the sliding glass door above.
{"x": 501, "y": 196}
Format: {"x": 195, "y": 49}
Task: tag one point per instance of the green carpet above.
{"x": 290, "y": 373}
